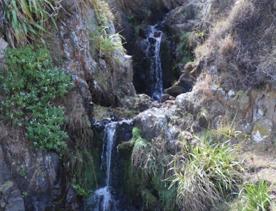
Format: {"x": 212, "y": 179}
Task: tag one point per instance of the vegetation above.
{"x": 205, "y": 175}
{"x": 255, "y": 197}
{"x": 29, "y": 84}
{"x": 102, "y": 10}
{"x": 106, "y": 43}
{"x": 184, "y": 49}
{"x": 81, "y": 191}
{"x": 83, "y": 170}
{"x": 195, "y": 178}
{"x": 26, "y": 19}
{"x": 148, "y": 173}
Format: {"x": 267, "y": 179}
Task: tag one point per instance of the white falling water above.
{"x": 103, "y": 196}
{"x": 154, "y": 40}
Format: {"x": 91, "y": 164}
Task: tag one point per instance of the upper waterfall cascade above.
{"x": 152, "y": 51}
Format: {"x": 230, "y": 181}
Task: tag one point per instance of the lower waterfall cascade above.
{"x": 104, "y": 198}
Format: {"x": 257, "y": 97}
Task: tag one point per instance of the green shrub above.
{"x": 45, "y": 129}
{"x": 140, "y": 149}
{"x": 29, "y": 84}
{"x": 255, "y": 197}
{"x": 102, "y": 11}
{"x": 204, "y": 176}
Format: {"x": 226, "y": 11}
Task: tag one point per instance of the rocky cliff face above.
{"x": 36, "y": 180}
{"x": 222, "y": 53}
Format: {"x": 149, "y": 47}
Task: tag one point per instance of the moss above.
{"x": 184, "y": 49}
{"x": 149, "y": 199}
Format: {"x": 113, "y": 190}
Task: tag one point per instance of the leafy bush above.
{"x": 255, "y": 197}
{"x": 29, "y": 84}
{"x": 204, "y": 176}
{"x": 45, "y": 129}
{"x": 25, "y": 19}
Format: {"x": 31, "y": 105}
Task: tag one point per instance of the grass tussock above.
{"x": 254, "y": 196}
{"x": 24, "y": 20}
{"x": 205, "y": 176}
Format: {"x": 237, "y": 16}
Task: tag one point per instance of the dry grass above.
{"x": 227, "y": 46}
{"x": 243, "y": 43}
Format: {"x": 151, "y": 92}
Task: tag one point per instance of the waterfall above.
{"x": 153, "y": 43}
{"x": 103, "y": 199}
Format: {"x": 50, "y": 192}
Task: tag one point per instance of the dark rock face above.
{"x": 10, "y": 196}
{"x": 32, "y": 176}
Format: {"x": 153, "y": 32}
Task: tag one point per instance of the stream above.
{"x": 104, "y": 198}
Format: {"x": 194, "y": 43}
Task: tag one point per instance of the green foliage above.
{"x": 102, "y": 10}
{"x": 205, "y": 175}
{"x": 45, "y": 129}
{"x": 29, "y": 84}
{"x": 184, "y": 49}
{"x": 83, "y": 168}
{"x": 106, "y": 44}
{"x": 255, "y": 197}
{"x": 139, "y": 150}
{"x": 25, "y": 19}
{"x": 149, "y": 165}
{"x": 81, "y": 191}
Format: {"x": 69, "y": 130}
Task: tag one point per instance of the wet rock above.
{"x": 262, "y": 130}
{"x": 72, "y": 202}
{"x": 182, "y": 86}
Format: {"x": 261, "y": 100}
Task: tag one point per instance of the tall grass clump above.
{"x": 255, "y": 197}
{"x": 205, "y": 175}
{"x": 105, "y": 42}
{"x": 150, "y": 161}
{"x": 24, "y": 20}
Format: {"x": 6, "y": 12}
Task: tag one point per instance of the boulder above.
{"x": 262, "y": 130}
